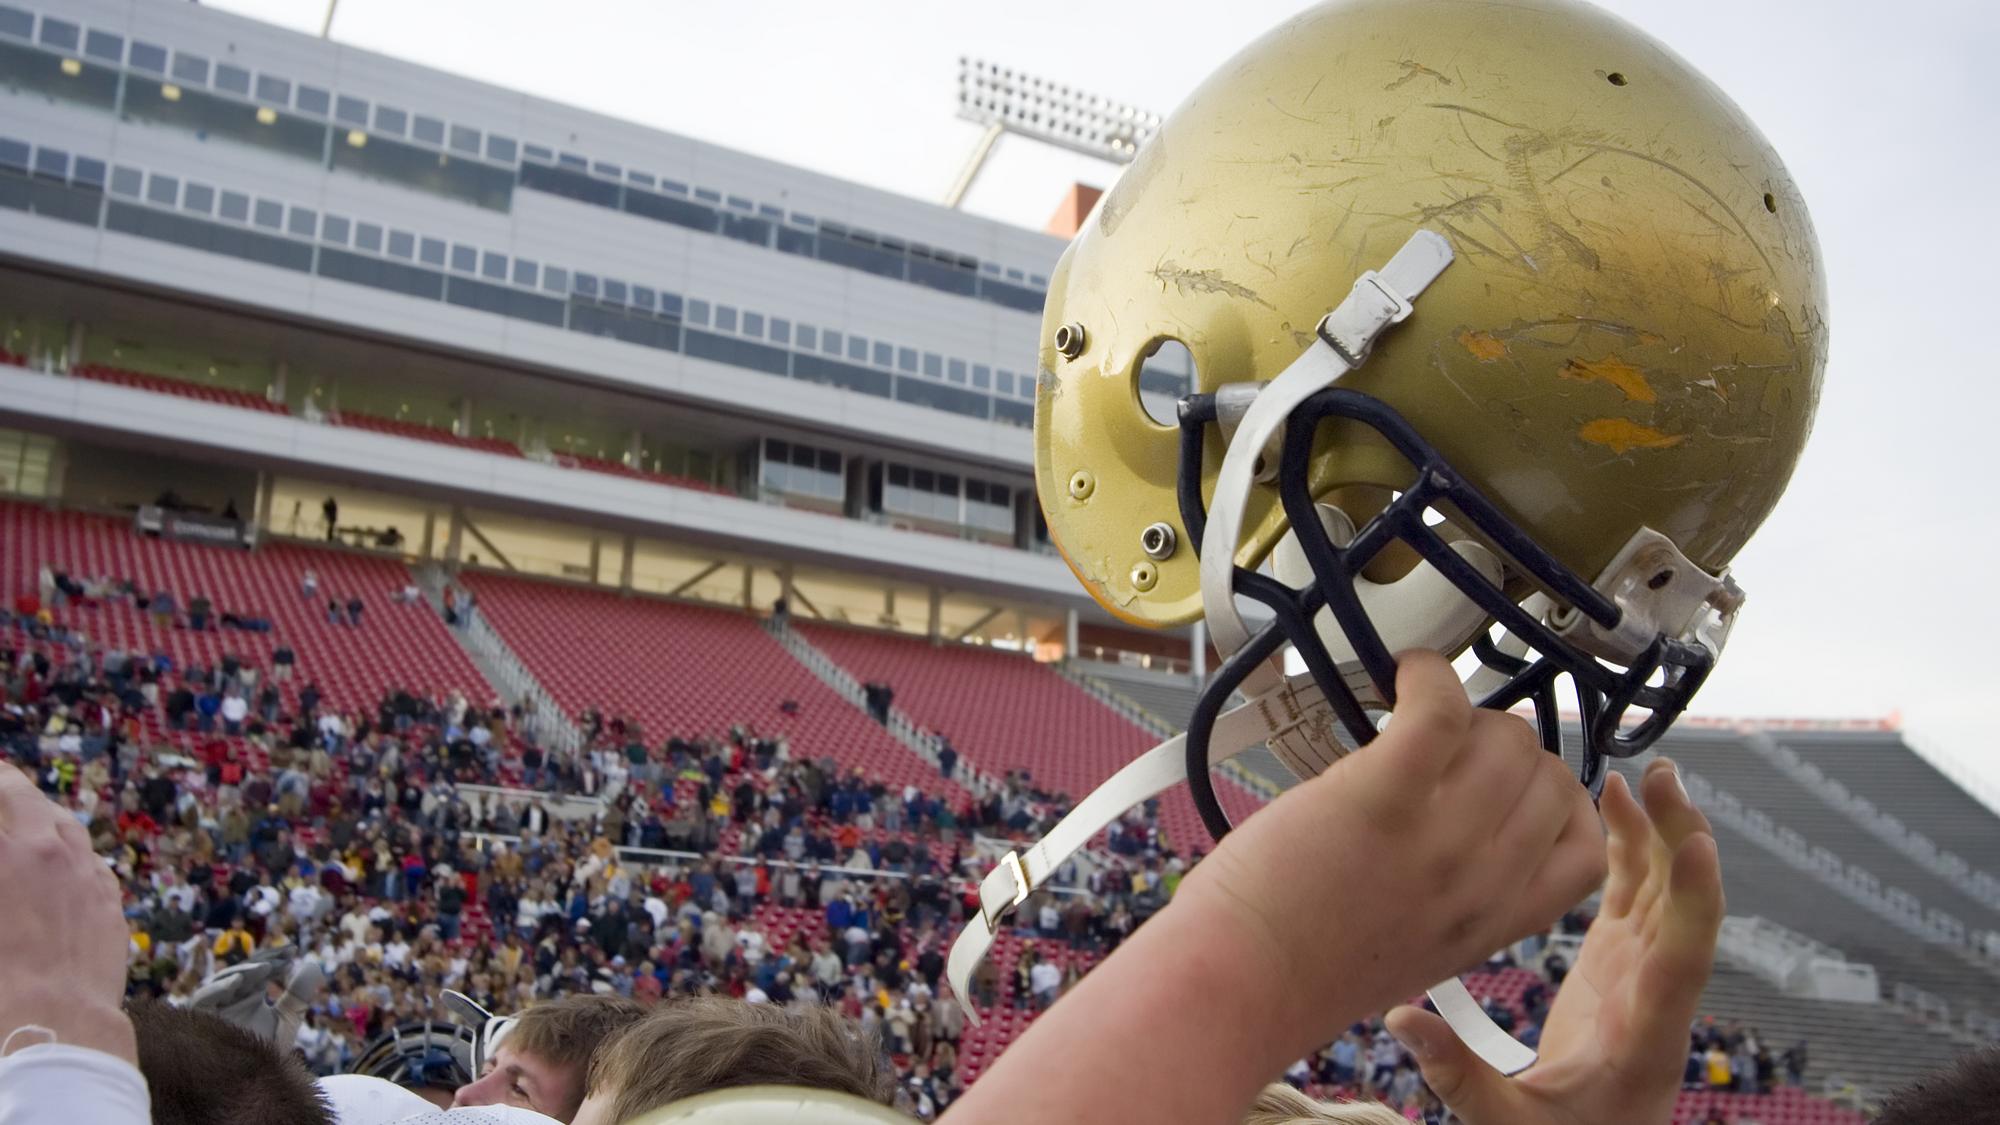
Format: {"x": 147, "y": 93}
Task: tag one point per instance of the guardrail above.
{"x": 662, "y": 857}
{"x": 900, "y": 726}
{"x": 552, "y": 728}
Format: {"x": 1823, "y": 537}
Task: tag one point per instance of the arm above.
{"x": 1452, "y": 835}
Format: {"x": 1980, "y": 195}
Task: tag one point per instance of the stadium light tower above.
{"x": 1008, "y": 101}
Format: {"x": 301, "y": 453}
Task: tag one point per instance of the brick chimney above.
{"x": 1075, "y": 208}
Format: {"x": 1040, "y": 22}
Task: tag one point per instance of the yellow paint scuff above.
{"x": 1621, "y": 434}
{"x": 1614, "y": 371}
{"x": 1485, "y": 346}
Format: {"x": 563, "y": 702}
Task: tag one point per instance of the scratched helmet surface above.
{"x": 1632, "y": 332}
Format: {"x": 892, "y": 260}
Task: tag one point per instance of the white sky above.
{"x": 1864, "y": 585}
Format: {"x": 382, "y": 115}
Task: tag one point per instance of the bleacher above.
{"x": 396, "y": 646}
{"x": 620, "y": 469}
{"x": 160, "y": 384}
{"x": 1879, "y": 766}
{"x": 1756, "y": 881}
{"x": 685, "y": 670}
{"x": 1005, "y": 712}
{"x": 1782, "y": 1106}
{"x": 1171, "y": 699}
{"x": 1722, "y": 758}
{"x": 1862, "y": 1044}
{"x": 417, "y": 432}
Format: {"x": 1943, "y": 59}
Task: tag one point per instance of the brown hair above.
{"x": 1965, "y": 1093}
{"x": 569, "y": 1032}
{"x": 715, "y": 1043}
{"x": 201, "y": 1069}
{"x": 1279, "y": 1104}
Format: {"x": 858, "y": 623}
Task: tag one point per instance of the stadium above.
{"x": 487, "y": 545}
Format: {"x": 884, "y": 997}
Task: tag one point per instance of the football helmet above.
{"x": 772, "y": 1105}
{"x": 1508, "y": 329}
{"x": 1549, "y": 458}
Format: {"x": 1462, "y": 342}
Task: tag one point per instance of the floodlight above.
{"x": 1061, "y": 115}
{"x": 1007, "y": 101}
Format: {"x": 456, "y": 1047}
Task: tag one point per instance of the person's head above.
{"x": 541, "y": 1063}
{"x": 1279, "y": 1104}
{"x": 1964, "y": 1093}
{"x": 713, "y": 1043}
{"x": 202, "y": 1070}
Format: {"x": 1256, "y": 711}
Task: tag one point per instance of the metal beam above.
{"x": 981, "y": 620}
{"x": 704, "y": 572}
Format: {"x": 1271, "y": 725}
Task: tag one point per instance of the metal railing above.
{"x": 900, "y": 726}
{"x": 509, "y": 675}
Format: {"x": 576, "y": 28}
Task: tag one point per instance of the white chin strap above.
{"x": 1422, "y": 609}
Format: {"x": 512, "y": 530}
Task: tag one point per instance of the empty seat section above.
{"x": 1005, "y": 712}
{"x": 683, "y": 670}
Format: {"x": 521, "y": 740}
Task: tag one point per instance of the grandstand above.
{"x": 632, "y": 393}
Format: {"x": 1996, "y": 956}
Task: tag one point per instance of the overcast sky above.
{"x": 1864, "y": 587}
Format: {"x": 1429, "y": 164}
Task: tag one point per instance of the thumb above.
{"x": 1475, "y": 1092}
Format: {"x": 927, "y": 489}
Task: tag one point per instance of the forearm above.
{"x": 1184, "y": 1024}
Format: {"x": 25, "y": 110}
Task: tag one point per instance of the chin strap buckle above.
{"x": 1003, "y": 890}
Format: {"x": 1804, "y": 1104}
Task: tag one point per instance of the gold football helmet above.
{"x": 1550, "y": 457}
{"x": 772, "y": 1105}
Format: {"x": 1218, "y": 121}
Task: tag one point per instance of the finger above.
{"x": 1477, "y": 1093}
{"x": 1574, "y": 867}
{"x": 1432, "y": 714}
{"x": 1628, "y": 845}
{"x": 1668, "y": 804}
{"x": 1682, "y": 949}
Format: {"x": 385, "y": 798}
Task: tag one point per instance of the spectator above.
{"x": 330, "y": 509}
{"x": 354, "y": 608}
{"x": 282, "y": 660}
{"x": 199, "y": 610}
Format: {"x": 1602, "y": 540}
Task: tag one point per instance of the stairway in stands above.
{"x": 682, "y": 670}
{"x": 1003, "y": 711}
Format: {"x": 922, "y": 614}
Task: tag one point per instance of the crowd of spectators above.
{"x": 240, "y": 816}
{"x": 725, "y": 864}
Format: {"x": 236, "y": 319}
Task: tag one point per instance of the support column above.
{"x": 260, "y": 511}
{"x": 889, "y": 604}
{"x": 281, "y": 375}
{"x": 74, "y": 355}
{"x": 430, "y": 534}
{"x": 454, "y": 542}
{"x": 1198, "y": 650}
{"x": 749, "y": 576}
{"x": 935, "y": 630}
{"x": 596, "y": 557}
{"x": 785, "y": 585}
{"x": 1021, "y": 630}
{"x": 465, "y": 417}
{"x": 627, "y": 549}
{"x": 1069, "y": 634}
{"x": 635, "y": 450}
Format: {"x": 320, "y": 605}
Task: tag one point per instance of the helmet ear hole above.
{"x": 1165, "y": 374}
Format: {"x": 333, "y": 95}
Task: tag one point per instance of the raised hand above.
{"x": 62, "y": 939}
{"x": 1616, "y": 1040}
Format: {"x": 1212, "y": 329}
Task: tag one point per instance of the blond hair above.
{"x": 693, "y": 1046}
{"x": 1279, "y": 1104}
